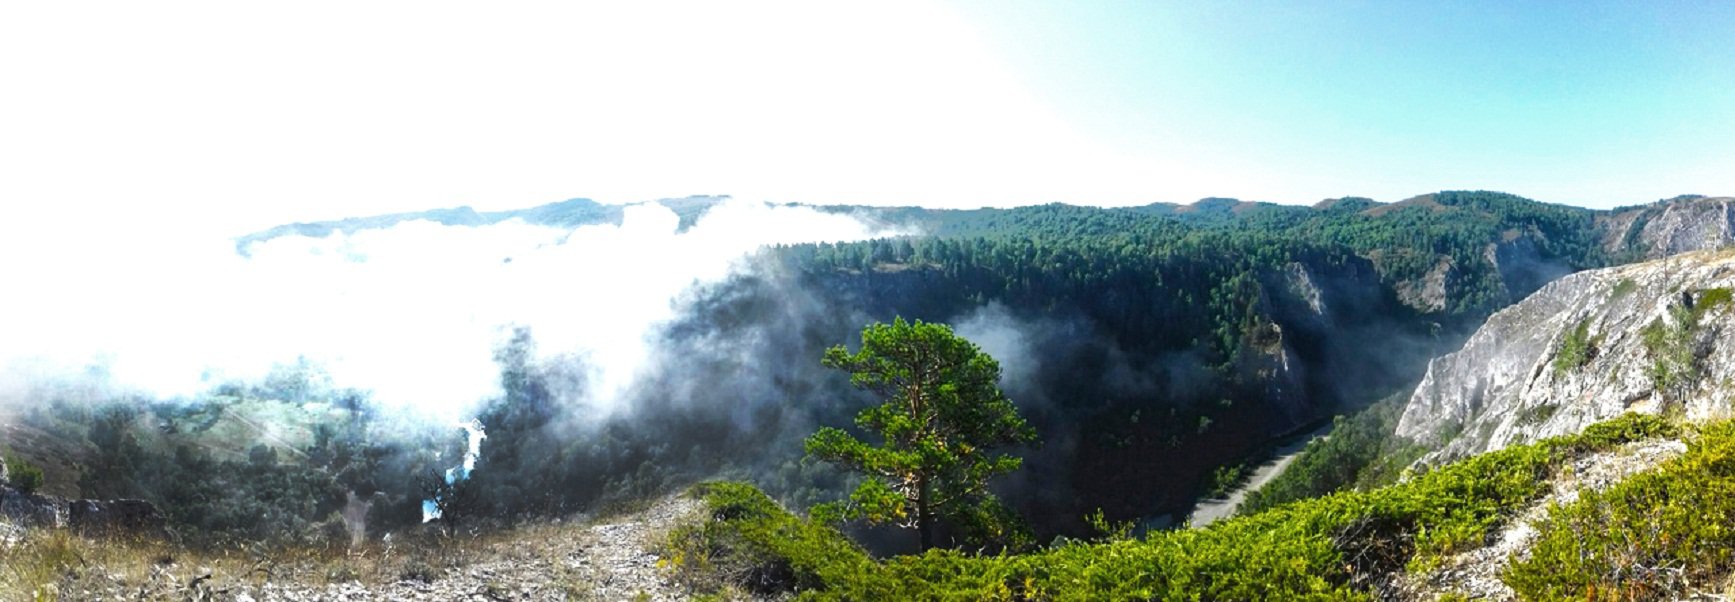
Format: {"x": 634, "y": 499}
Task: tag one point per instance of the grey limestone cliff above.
{"x": 1641, "y": 337}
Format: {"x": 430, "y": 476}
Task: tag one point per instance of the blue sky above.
{"x": 233, "y": 116}
{"x": 1595, "y": 103}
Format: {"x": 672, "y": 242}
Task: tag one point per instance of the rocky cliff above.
{"x": 1681, "y": 224}
{"x": 1588, "y": 347}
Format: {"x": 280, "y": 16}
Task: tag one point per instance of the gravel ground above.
{"x": 612, "y": 558}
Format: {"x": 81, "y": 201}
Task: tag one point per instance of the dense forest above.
{"x": 1148, "y": 346}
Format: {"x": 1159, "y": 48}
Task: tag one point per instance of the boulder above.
{"x": 31, "y": 510}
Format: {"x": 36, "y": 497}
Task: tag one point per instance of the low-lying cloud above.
{"x": 412, "y": 313}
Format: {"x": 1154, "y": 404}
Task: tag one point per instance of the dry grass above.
{"x": 59, "y": 565}
{"x": 56, "y": 564}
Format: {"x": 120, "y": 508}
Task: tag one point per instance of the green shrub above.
{"x": 1642, "y": 539}
{"x": 1538, "y": 414}
{"x": 1108, "y": 530}
{"x": 23, "y": 475}
{"x": 1710, "y": 299}
{"x": 1576, "y": 348}
{"x": 1224, "y": 479}
{"x": 1616, "y": 431}
{"x": 1674, "y": 368}
{"x": 751, "y": 542}
{"x": 1625, "y": 287}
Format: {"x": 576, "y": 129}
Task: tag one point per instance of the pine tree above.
{"x": 943, "y": 413}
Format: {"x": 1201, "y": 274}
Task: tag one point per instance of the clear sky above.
{"x": 238, "y": 115}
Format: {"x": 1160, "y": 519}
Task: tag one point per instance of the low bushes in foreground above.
{"x": 1654, "y": 536}
{"x": 1328, "y": 548}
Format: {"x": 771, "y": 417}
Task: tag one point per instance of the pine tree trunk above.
{"x": 924, "y": 517}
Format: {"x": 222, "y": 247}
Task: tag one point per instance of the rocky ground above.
{"x": 609, "y": 558}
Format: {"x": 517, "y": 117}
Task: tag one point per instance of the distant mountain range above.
{"x": 1654, "y": 229}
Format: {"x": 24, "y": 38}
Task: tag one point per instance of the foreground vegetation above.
{"x": 1328, "y": 548}
{"x": 1648, "y": 537}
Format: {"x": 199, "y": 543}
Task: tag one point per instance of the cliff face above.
{"x": 1585, "y": 348}
{"x": 1674, "y": 226}
{"x": 1305, "y": 314}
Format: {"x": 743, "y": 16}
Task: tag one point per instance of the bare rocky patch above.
{"x": 607, "y": 558}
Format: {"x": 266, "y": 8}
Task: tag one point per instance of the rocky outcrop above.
{"x": 1524, "y": 258}
{"x": 1576, "y": 352}
{"x": 612, "y": 558}
{"x": 31, "y": 511}
{"x": 1267, "y": 359}
{"x": 1301, "y": 308}
{"x": 1428, "y": 293}
{"x": 1664, "y": 228}
{"x": 89, "y": 517}
{"x": 1523, "y": 267}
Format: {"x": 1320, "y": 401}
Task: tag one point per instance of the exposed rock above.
{"x": 1505, "y": 387}
{"x": 1301, "y": 308}
{"x": 1298, "y": 282}
{"x": 1521, "y": 263}
{"x": 31, "y": 511}
{"x": 1521, "y": 256}
{"x": 1265, "y": 358}
{"x": 1671, "y": 226}
{"x": 1428, "y": 294}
